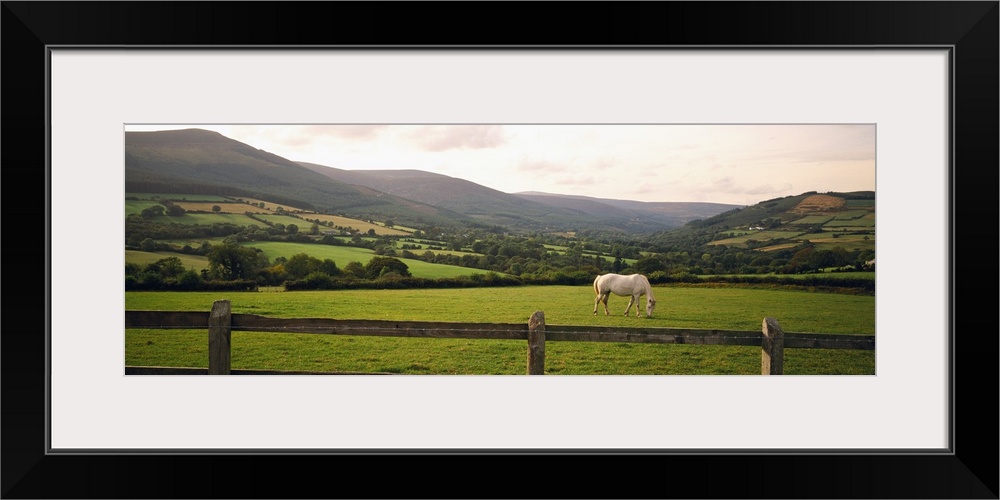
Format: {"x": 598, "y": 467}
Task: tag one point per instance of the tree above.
{"x": 329, "y": 267}
{"x": 291, "y": 229}
{"x": 216, "y": 208}
{"x": 300, "y": 265}
{"x": 380, "y": 265}
{"x": 153, "y": 211}
{"x": 231, "y": 262}
{"x": 648, "y": 265}
{"x": 168, "y": 267}
{"x": 355, "y": 268}
{"x": 189, "y": 280}
{"x": 148, "y": 245}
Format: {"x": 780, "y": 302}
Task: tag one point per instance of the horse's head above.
{"x": 650, "y": 305}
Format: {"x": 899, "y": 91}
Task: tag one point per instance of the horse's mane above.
{"x": 649, "y": 287}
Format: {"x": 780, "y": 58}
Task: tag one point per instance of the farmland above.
{"x": 783, "y": 242}
{"x": 677, "y": 307}
{"x": 829, "y": 222}
{"x": 339, "y": 254}
{"x": 200, "y": 210}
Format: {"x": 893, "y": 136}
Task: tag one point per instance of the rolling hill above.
{"x": 828, "y": 220}
{"x": 197, "y": 161}
{"x": 200, "y": 161}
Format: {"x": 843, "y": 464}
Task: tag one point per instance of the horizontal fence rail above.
{"x": 220, "y": 322}
{"x": 502, "y": 331}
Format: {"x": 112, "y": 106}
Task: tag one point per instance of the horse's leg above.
{"x": 629, "y": 306}
{"x": 604, "y": 301}
{"x": 596, "y": 301}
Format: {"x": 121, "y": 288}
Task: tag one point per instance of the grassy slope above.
{"x": 343, "y": 254}
{"x": 196, "y": 262}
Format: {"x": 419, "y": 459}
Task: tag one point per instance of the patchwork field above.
{"x": 136, "y": 202}
{"x": 360, "y": 225}
{"x": 228, "y": 207}
{"x": 850, "y": 226}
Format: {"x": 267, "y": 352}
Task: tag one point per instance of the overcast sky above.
{"x": 738, "y": 164}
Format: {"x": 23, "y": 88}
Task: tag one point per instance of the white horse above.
{"x": 631, "y": 285}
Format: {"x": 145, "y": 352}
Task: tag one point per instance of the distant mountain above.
{"x": 531, "y": 211}
{"x": 201, "y": 161}
{"x": 671, "y": 214}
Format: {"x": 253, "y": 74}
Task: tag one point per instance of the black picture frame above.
{"x": 969, "y": 28}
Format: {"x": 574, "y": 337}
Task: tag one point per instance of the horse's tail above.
{"x": 596, "y": 289}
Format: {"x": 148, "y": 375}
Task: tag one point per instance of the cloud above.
{"x": 359, "y": 131}
{"x": 730, "y": 185}
{"x": 439, "y": 138}
{"x": 297, "y": 137}
{"x": 541, "y": 167}
{"x": 575, "y": 180}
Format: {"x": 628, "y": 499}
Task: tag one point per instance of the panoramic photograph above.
{"x": 499, "y": 249}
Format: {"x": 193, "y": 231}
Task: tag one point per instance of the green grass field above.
{"x": 860, "y": 203}
{"x": 757, "y": 236}
{"x": 343, "y": 254}
{"x": 677, "y": 307}
{"x": 862, "y": 222}
{"x": 137, "y": 206}
{"x": 853, "y": 214}
{"x": 811, "y": 219}
{"x": 196, "y": 262}
{"x": 178, "y": 197}
{"x": 208, "y": 219}
{"x": 286, "y": 220}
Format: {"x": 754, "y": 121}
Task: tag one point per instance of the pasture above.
{"x": 810, "y": 220}
{"x": 230, "y": 208}
{"x": 765, "y": 235}
{"x": 179, "y": 197}
{"x": 137, "y": 206}
{"x": 866, "y": 223}
{"x": 344, "y": 254}
{"x": 272, "y": 206}
{"x": 286, "y": 220}
{"x": 358, "y": 224}
{"x": 677, "y": 307}
{"x": 227, "y": 207}
{"x": 196, "y": 262}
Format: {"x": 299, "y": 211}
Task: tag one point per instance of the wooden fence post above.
{"x": 219, "y": 336}
{"x": 772, "y": 354}
{"x": 536, "y": 344}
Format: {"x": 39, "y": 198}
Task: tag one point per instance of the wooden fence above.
{"x": 221, "y": 322}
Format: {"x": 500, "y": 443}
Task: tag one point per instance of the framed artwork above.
{"x": 920, "y": 77}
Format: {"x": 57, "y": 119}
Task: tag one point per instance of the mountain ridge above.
{"x": 491, "y": 206}
{"x": 201, "y": 161}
